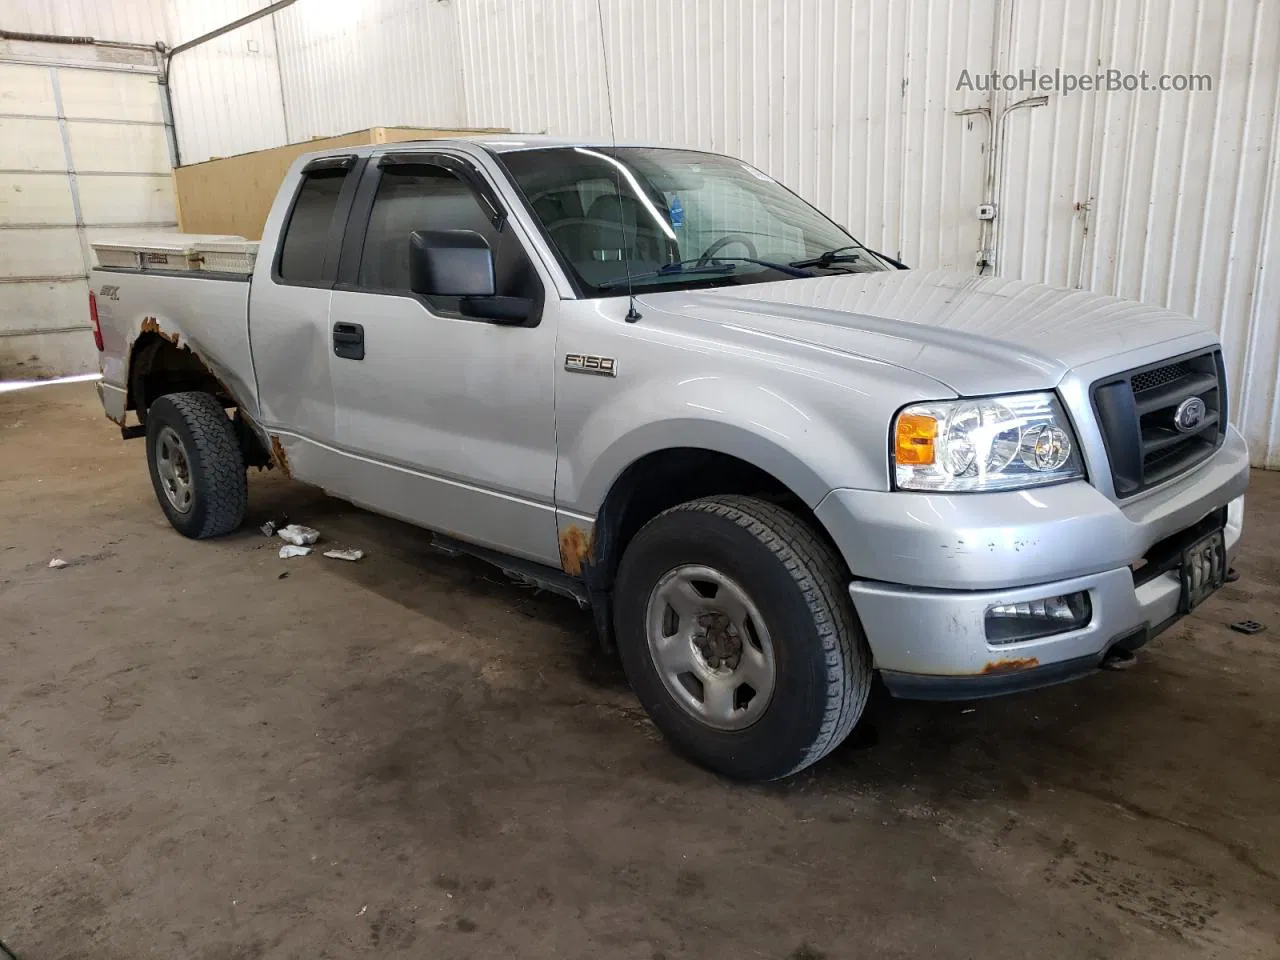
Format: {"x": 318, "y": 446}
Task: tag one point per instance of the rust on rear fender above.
{"x": 152, "y": 325}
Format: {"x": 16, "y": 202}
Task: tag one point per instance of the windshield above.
{"x": 675, "y": 219}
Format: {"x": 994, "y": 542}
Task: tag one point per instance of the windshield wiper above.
{"x": 714, "y": 265}
{"x": 826, "y": 259}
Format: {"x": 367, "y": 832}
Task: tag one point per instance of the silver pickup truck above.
{"x": 771, "y": 461}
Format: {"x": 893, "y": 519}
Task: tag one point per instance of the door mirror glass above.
{"x": 450, "y": 263}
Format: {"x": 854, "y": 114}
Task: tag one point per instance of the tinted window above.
{"x": 306, "y": 238}
{"x": 425, "y": 197}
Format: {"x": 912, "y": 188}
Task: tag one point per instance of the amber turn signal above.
{"x": 913, "y": 443}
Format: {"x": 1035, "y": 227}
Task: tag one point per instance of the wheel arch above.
{"x": 657, "y": 481}
{"x": 158, "y": 365}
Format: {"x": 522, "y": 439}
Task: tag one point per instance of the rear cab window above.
{"x": 309, "y": 243}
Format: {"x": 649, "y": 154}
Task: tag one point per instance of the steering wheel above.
{"x": 729, "y": 238}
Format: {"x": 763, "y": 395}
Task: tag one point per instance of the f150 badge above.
{"x": 585, "y": 363}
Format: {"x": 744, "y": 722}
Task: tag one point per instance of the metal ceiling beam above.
{"x": 228, "y": 27}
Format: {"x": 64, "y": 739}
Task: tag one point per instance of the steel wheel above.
{"x": 711, "y": 647}
{"x": 174, "y": 468}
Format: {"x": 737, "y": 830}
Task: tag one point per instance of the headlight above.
{"x": 993, "y": 443}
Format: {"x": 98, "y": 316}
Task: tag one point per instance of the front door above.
{"x": 445, "y": 421}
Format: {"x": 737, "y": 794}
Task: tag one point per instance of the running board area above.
{"x": 525, "y": 572}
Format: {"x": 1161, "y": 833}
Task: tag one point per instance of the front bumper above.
{"x": 930, "y": 566}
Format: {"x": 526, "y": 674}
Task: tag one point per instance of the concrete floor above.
{"x": 201, "y": 757}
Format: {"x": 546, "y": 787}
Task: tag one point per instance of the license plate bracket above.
{"x": 1203, "y": 570}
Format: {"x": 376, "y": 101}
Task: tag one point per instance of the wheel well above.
{"x": 157, "y": 366}
{"x": 657, "y": 482}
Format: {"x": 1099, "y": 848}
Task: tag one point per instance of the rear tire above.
{"x": 196, "y": 465}
{"x": 734, "y": 594}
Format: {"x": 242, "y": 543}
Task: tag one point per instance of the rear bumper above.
{"x": 113, "y": 401}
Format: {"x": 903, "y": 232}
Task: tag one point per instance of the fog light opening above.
{"x": 1034, "y": 619}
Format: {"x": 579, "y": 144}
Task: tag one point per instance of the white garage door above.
{"x": 83, "y": 153}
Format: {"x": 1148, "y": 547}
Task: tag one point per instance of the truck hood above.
{"x": 972, "y": 334}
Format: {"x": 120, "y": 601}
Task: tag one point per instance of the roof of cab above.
{"x": 513, "y": 142}
{"x": 510, "y": 142}
{"x": 493, "y": 143}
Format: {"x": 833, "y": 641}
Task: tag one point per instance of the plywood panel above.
{"x": 26, "y": 90}
{"x": 54, "y": 252}
{"x": 124, "y": 200}
{"x": 233, "y": 195}
{"x": 404, "y": 134}
{"x": 93, "y": 94}
{"x": 119, "y": 148}
{"x": 31, "y": 145}
{"x": 35, "y": 198}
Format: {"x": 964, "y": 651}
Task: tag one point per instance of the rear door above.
{"x": 446, "y": 421}
{"x": 289, "y": 320}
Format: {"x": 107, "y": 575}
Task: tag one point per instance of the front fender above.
{"x": 797, "y": 444}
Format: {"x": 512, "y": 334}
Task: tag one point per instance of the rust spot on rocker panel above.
{"x": 152, "y": 325}
{"x": 279, "y": 458}
{"x": 575, "y": 549}
{"x": 1011, "y": 666}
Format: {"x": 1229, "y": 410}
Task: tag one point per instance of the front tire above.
{"x": 196, "y": 465}
{"x": 738, "y": 635}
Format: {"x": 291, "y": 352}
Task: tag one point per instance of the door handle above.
{"x": 348, "y": 341}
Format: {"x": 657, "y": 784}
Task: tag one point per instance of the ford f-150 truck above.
{"x": 771, "y": 461}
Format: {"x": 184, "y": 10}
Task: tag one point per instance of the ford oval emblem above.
{"x": 1189, "y": 415}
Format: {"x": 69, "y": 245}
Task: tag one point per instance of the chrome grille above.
{"x": 1136, "y": 413}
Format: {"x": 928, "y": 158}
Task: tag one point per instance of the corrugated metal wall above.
{"x": 131, "y": 21}
{"x": 403, "y": 72}
{"x": 228, "y": 90}
{"x": 835, "y": 98}
{"x": 1169, "y": 197}
{"x": 1172, "y": 198}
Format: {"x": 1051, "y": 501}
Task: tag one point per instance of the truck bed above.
{"x": 202, "y": 311}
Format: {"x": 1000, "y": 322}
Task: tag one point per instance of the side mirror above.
{"x": 450, "y": 263}
{"x": 504, "y": 311}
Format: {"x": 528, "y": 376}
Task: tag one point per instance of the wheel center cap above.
{"x": 718, "y": 641}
